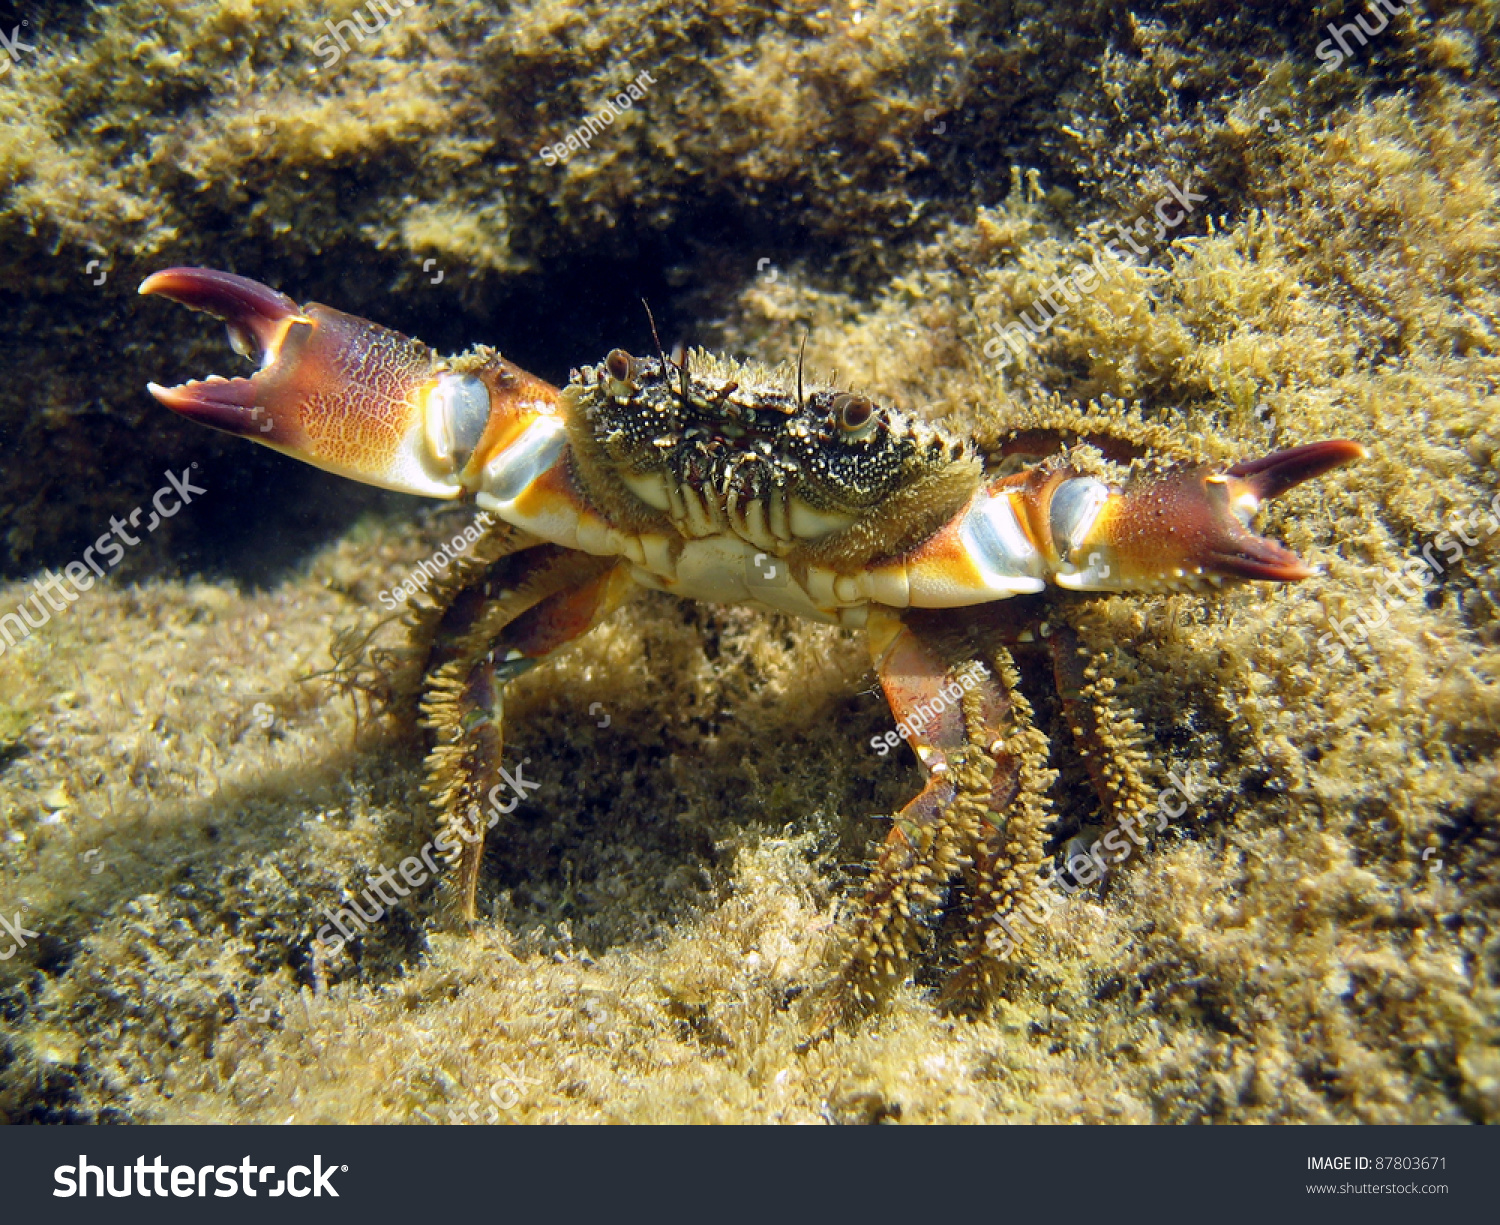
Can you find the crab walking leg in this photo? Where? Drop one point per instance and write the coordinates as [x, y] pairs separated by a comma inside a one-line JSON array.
[[952, 716], [1012, 902], [508, 619], [1108, 738], [1009, 899]]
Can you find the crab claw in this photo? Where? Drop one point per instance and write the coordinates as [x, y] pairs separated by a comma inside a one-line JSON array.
[[347, 395], [1186, 529], [1189, 526]]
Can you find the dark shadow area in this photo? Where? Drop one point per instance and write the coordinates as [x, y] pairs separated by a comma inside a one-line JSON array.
[[101, 445]]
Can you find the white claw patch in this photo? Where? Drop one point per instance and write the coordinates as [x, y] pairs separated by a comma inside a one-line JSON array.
[[455, 412], [1075, 509], [598, 538], [1086, 564], [509, 472], [821, 585], [998, 547], [889, 585]]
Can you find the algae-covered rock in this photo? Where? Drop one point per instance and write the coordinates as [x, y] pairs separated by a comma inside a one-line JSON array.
[[184, 801]]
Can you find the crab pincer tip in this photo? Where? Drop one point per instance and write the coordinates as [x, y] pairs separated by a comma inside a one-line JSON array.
[[1273, 475], [212, 289], [222, 404], [257, 317], [1244, 488], [249, 308]]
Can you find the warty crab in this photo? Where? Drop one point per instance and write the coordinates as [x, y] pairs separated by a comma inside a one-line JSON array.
[[719, 481]]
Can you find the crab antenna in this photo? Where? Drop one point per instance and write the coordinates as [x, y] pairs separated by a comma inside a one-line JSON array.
[[660, 352], [801, 349]]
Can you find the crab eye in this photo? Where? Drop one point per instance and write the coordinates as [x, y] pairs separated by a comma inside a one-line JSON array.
[[856, 415], [618, 364], [620, 367]]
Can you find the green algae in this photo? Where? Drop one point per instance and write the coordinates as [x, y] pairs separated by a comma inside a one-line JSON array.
[[13, 724], [1314, 941]]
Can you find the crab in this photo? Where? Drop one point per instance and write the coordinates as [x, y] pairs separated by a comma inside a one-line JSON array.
[[715, 480]]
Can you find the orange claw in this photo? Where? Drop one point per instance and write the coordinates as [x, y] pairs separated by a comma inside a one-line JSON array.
[[1196, 522], [345, 394], [1185, 529], [333, 389]]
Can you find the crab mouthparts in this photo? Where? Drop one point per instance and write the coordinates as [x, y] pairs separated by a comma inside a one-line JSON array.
[[258, 320]]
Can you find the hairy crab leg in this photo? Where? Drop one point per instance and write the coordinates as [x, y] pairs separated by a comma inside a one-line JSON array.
[[1108, 738], [524, 615], [970, 729], [1007, 891], [922, 850]]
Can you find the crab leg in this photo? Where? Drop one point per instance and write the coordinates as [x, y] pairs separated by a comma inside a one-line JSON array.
[[1109, 740], [970, 729], [502, 621]]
